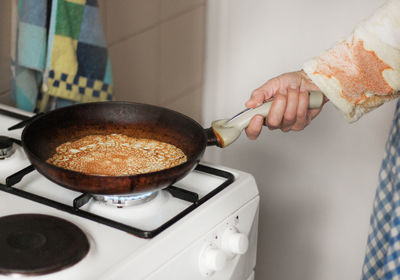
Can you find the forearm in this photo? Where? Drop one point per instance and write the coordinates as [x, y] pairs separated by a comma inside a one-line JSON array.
[[362, 72]]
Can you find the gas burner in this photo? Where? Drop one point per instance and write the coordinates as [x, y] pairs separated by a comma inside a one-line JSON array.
[[6, 147], [34, 244], [126, 200]]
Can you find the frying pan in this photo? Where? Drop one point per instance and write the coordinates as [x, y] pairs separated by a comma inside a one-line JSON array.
[[45, 132]]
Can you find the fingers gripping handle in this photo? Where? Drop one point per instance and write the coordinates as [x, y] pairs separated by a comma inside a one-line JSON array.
[[227, 131], [242, 120]]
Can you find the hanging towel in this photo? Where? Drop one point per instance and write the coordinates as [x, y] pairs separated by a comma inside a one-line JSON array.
[[60, 54], [28, 50]]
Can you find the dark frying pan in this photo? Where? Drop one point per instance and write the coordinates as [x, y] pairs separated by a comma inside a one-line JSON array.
[[44, 133], [41, 137]]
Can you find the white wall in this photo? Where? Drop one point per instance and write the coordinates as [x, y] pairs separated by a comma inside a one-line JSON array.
[[316, 186]]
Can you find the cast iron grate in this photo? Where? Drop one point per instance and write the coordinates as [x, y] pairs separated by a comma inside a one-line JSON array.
[[84, 198], [81, 200]]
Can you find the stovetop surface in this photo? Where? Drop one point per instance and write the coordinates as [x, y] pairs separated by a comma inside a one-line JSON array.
[[147, 216], [110, 247]]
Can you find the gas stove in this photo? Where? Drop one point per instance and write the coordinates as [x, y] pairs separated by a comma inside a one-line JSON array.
[[202, 227]]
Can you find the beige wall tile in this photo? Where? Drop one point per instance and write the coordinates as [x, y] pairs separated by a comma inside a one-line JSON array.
[[188, 104], [5, 98], [103, 13], [5, 79], [5, 28], [181, 60], [135, 67], [128, 17], [170, 8]]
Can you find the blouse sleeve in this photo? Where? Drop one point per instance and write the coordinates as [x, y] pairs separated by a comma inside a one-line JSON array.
[[362, 72]]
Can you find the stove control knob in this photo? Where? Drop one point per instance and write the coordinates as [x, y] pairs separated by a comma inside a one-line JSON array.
[[234, 242], [211, 260]]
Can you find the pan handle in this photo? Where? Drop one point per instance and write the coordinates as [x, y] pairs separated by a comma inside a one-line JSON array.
[[227, 131], [212, 139]]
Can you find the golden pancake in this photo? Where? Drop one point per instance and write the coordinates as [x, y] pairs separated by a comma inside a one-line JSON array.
[[116, 155]]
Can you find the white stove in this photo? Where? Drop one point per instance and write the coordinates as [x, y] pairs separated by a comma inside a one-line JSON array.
[[202, 227]]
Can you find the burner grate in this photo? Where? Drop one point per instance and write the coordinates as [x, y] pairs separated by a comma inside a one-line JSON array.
[[78, 202], [14, 115]]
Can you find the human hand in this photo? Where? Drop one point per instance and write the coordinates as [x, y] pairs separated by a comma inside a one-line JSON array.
[[289, 110]]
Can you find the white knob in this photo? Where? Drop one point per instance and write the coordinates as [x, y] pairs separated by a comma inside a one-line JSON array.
[[212, 260], [234, 242]]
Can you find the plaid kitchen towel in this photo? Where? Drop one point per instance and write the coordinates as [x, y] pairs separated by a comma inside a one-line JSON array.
[[60, 54], [28, 50], [382, 259]]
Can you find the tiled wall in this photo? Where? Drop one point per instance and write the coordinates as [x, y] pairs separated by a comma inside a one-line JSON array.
[[5, 22], [156, 49]]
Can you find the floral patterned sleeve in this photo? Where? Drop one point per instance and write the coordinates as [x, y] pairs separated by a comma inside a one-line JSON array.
[[362, 72]]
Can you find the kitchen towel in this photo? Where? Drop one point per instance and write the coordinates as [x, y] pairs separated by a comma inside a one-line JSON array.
[[59, 54]]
